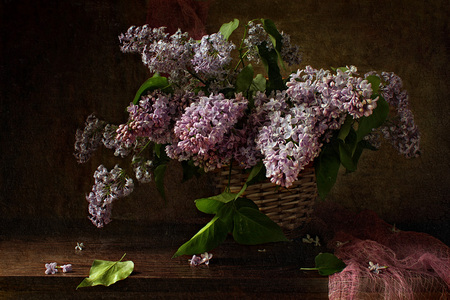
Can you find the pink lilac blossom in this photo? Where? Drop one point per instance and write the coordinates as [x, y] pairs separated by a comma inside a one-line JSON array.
[[334, 94], [108, 187], [111, 142], [153, 117]]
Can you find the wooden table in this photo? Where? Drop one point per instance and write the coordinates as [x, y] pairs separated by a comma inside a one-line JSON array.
[[268, 271]]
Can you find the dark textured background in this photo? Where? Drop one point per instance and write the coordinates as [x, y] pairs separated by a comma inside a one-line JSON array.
[[60, 61]]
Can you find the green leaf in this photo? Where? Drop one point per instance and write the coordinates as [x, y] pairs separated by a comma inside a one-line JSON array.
[[104, 272], [343, 69], [256, 174], [345, 156], [244, 79], [275, 36], [190, 170], [159, 179], [375, 120], [258, 83], [245, 202], [252, 227], [269, 59], [225, 214], [328, 264], [157, 150], [153, 83], [327, 168], [211, 205], [208, 205], [374, 81], [345, 128], [227, 29], [209, 237]]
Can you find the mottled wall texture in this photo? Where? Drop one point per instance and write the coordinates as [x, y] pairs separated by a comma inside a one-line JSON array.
[[60, 61]]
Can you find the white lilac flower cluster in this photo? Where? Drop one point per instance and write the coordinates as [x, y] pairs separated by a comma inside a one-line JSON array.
[[108, 187]]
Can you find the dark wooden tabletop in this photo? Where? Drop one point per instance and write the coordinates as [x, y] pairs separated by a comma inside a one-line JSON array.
[[270, 271]]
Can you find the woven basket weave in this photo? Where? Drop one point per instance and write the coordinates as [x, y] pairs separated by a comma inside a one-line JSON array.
[[290, 207]]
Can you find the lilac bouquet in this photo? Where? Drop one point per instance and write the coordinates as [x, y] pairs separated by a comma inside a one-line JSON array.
[[205, 107]]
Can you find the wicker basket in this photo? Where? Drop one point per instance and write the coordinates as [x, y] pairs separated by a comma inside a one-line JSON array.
[[290, 208]]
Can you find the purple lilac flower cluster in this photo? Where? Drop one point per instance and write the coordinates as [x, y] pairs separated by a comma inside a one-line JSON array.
[[257, 36], [88, 139], [319, 102], [204, 132], [401, 131], [211, 55], [95, 133], [108, 187], [154, 117], [284, 141], [178, 55], [143, 169]]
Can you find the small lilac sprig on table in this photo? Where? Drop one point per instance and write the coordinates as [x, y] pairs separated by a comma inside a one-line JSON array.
[[205, 109], [202, 259], [52, 268]]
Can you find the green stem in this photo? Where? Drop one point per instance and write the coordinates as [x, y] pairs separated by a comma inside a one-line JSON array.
[[145, 147], [229, 176], [196, 77], [122, 257], [241, 56], [309, 269]]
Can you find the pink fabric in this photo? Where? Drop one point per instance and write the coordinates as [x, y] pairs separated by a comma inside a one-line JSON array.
[[188, 15], [417, 262]]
